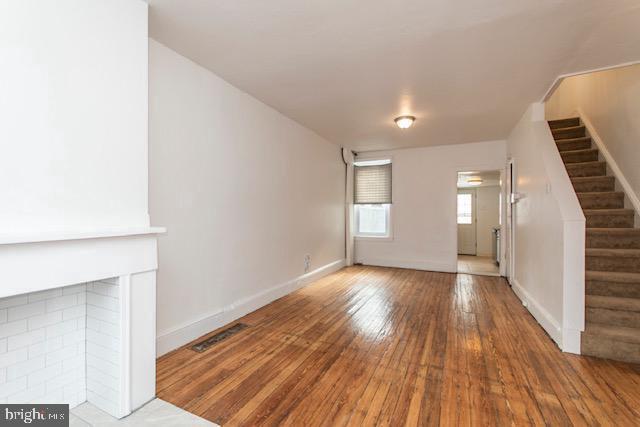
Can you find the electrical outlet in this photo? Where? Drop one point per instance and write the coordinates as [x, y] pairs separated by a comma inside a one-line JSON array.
[[307, 263]]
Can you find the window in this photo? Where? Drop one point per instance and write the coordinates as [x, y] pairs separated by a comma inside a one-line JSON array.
[[372, 198], [372, 220], [465, 208]]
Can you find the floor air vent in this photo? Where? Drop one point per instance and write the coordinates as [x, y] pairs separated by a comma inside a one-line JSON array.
[[214, 339]]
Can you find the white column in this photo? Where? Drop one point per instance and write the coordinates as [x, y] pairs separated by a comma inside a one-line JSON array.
[[142, 338]]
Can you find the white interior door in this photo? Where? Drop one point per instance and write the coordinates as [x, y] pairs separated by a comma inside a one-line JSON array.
[[467, 241]]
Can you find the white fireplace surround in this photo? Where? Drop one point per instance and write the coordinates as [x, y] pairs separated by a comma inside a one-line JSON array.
[[116, 270]]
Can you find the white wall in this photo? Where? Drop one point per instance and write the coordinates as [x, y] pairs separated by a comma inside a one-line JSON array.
[[549, 232], [245, 193], [424, 204], [611, 101], [73, 107], [487, 218]]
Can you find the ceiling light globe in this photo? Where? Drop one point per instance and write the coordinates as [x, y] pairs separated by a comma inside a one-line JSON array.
[[404, 122]]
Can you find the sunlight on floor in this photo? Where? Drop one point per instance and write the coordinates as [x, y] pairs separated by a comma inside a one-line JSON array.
[[484, 266]]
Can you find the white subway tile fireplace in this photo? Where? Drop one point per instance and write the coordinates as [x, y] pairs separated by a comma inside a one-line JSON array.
[[78, 257], [103, 344], [79, 323], [43, 339]]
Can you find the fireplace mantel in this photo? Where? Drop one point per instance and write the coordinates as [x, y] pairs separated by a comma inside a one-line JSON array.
[[32, 262], [62, 235]]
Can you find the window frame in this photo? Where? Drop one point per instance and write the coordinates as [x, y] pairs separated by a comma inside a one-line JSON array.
[[472, 212], [374, 237]]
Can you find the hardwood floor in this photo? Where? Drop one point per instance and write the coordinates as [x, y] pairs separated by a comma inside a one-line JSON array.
[[383, 346], [482, 265]]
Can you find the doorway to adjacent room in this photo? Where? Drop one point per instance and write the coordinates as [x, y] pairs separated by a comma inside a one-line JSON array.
[[478, 222]]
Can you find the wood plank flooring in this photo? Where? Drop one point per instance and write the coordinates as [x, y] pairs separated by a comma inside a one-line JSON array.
[[384, 346], [483, 265]]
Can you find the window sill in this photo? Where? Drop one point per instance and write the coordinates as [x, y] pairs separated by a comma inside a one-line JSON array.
[[374, 238]]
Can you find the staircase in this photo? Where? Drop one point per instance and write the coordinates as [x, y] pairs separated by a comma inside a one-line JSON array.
[[612, 255]]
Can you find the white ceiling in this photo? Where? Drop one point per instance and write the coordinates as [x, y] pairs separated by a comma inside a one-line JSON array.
[[466, 69]]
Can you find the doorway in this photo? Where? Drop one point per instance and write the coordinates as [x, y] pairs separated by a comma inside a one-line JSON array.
[[479, 214]]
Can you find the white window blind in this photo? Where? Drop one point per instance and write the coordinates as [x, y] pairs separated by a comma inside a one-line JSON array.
[[372, 184]]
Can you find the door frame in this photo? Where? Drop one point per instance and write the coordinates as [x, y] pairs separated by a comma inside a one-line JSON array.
[[510, 217], [504, 199]]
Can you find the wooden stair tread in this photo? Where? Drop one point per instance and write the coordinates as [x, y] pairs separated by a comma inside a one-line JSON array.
[[617, 333], [591, 169], [609, 348], [570, 121], [597, 230], [568, 128], [579, 156], [618, 253], [613, 303], [579, 139], [615, 211], [581, 151], [570, 132], [600, 194], [593, 183], [613, 237], [573, 144], [583, 164], [613, 276], [592, 178], [601, 200]]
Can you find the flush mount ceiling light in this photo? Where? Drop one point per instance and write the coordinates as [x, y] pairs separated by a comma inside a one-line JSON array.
[[474, 181], [404, 122]]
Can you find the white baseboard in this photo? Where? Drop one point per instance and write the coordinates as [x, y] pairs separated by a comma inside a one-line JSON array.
[[414, 265], [171, 339], [611, 163], [544, 318]]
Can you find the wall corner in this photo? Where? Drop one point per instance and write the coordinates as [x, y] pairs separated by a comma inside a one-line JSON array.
[[537, 112]]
